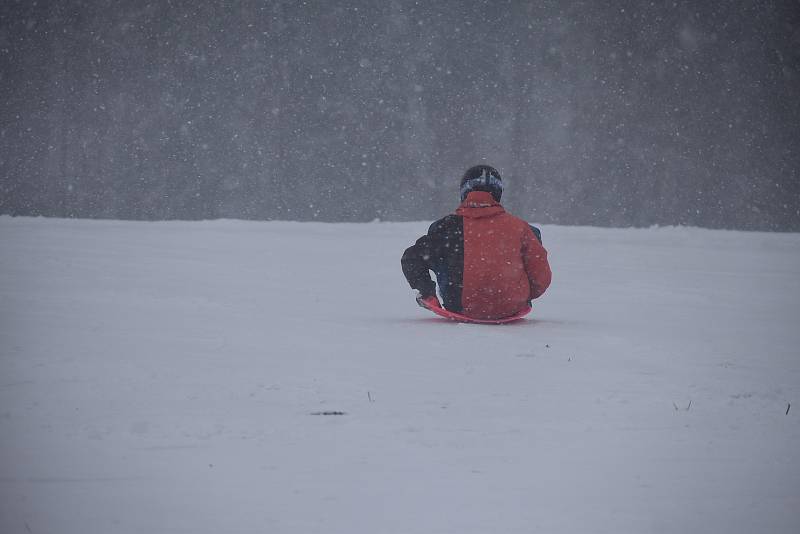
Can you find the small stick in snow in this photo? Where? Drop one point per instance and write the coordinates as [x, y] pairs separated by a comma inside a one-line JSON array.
[[369, 396], [788, 406], [690, 405], [676, 406]]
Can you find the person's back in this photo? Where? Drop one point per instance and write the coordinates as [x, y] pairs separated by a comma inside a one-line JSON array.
[[488, 263]]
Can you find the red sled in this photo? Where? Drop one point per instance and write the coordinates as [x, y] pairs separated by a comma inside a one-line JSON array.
[[453, 316]]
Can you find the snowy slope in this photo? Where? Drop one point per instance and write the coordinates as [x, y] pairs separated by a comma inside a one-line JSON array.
[[160, 377]]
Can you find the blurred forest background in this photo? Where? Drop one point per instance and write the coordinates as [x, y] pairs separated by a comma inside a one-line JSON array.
[[621, 113]]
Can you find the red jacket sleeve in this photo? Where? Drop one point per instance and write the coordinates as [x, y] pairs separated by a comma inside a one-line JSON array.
[[534, 257]]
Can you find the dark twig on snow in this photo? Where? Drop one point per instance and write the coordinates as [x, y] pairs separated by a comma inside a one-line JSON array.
[[685, 409], [369, 396], [788, 406]]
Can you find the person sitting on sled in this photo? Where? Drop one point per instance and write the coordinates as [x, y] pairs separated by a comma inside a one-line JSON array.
[[488, 263]]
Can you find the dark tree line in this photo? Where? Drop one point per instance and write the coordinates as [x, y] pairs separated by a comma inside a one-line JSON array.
[[621, 113]]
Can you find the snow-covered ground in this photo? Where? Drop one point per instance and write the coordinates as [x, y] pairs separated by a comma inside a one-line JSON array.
[[162, 377]]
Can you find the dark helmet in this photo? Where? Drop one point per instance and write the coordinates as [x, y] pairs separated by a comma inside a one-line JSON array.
[[482, 178]]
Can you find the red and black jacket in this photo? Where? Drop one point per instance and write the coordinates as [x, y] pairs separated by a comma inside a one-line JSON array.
[[488, 263]]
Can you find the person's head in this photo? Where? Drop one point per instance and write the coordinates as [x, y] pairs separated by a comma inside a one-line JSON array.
[[482, 178]]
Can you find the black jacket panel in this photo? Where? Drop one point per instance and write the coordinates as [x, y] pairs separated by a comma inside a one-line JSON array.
[[537, 233], [441, 250]]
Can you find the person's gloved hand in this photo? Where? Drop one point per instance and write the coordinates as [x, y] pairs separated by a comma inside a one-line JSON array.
[[428, 302]]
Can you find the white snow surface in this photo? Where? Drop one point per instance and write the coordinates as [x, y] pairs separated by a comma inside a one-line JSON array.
[[162, 377]]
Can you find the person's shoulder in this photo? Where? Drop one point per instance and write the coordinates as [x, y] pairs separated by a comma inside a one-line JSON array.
[[516, 221], [445, 223], [525, 226]]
